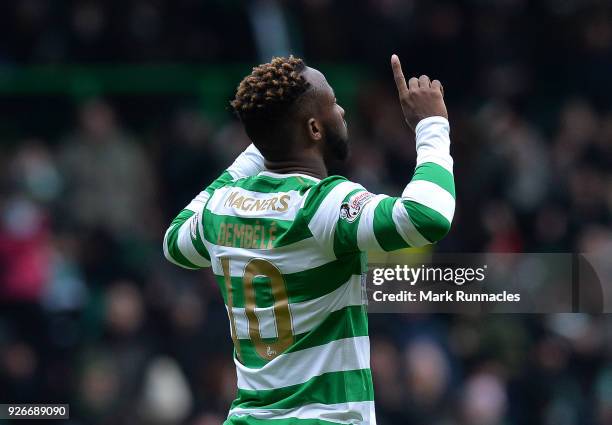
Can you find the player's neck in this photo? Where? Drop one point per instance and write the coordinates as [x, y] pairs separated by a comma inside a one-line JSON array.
[[311, 166]]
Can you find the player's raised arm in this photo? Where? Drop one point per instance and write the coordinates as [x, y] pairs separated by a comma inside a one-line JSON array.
[[348, 218], [183, 244]]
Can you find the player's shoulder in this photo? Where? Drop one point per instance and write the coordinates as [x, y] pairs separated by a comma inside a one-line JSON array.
[[267, 181], [229, 181], [332, 184], [331, 190]]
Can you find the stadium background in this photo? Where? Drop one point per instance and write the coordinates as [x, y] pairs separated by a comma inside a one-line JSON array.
[[113, 115]]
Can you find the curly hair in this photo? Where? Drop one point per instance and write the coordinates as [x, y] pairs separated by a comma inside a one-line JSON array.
[[265, 95]]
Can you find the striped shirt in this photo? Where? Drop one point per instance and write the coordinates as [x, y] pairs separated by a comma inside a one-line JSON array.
[[288, 253]]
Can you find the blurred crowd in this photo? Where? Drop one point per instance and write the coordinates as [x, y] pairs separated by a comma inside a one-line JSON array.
[[92, 315]]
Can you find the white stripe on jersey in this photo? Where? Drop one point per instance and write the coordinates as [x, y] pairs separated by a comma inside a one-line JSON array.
[[300, 366], [323, 223], [167, 252], [352, 412], [366, 239], [249, 163], [433, 142], [197, 203], [431, 195], [185, 244], [404, 225], [220, 198]]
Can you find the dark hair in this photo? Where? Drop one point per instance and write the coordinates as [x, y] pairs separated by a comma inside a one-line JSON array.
[[263, 98]]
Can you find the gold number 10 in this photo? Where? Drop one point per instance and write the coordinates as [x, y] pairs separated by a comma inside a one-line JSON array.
[[259, 267]]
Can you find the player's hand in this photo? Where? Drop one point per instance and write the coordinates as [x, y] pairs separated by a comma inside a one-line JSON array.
[[421, 98]]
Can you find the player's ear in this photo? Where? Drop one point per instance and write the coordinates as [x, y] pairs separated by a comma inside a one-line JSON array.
[[314, 129]]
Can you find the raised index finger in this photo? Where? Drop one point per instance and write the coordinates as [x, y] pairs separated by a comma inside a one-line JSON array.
[[398, 75]]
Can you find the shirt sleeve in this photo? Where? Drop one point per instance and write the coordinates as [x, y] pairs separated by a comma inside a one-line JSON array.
[[183, 241], [344, 217]]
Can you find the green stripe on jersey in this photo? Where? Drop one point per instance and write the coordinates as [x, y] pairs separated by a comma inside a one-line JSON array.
[[171, 241], [328, 388], [198, 244], [348, 322], [384, 227], [251, 232], [430, 223], [269, 184], [224, 179], [318, 194], [243, 232], [299, 231], [437, 174]]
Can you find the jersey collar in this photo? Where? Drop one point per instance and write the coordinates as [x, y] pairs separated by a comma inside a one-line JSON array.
[[283, 175]]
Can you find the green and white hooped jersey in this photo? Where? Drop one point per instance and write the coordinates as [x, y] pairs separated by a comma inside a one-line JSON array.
[[288, 253]]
